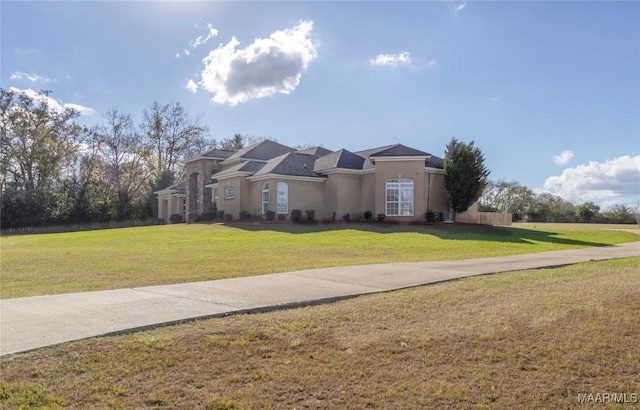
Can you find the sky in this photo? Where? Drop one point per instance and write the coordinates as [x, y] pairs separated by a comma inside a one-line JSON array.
[[549, 91]]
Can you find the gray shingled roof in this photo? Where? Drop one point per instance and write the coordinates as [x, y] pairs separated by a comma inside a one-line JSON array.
[[316, 151], [179, 188], [435, 162], [339, 159], [261, 151], [219, 153], [250, 167], [399, 150], [292, 163]]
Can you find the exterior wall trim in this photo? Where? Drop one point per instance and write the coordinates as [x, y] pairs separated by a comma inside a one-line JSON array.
[[286, 177]]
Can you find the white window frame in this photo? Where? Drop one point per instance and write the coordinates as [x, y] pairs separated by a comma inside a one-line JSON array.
[[399, 195], [282, 199], [229, 192], [265, 198]]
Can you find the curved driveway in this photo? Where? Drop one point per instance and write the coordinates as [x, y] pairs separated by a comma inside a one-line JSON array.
[[34, 322]]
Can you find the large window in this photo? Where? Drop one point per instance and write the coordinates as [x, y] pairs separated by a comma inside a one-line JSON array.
[[265, 197], [399, 197], [282, 206], [229, 192]]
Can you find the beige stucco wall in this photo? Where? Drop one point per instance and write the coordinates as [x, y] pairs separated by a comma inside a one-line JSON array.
[[342, 195], [367, 193], [169, 204], [405, 169], [438, 198], [241, 196], [305, 195]]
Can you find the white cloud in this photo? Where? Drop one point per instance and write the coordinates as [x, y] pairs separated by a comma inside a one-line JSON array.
[[53, 103], [460, 6], [210, 33], [80, 108], [192, 86], [393, 60], [265, 67], [563, 158], [616, 178], [200, 40], [34, 78]]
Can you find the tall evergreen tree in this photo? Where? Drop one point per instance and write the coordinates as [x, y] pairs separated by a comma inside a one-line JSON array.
[[465, 174]]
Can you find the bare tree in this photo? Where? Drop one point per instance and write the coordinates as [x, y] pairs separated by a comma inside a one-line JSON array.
[[123, 151], [170, 134]]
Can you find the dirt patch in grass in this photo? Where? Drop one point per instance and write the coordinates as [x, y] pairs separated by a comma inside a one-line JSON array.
[[530, 339]]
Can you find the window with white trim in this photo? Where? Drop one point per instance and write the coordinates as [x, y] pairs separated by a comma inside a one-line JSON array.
[[399, 197], [265, 198], [229, 192], [282, 200]]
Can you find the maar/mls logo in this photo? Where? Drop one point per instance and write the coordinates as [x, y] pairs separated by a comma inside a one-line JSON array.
[[608, 398]]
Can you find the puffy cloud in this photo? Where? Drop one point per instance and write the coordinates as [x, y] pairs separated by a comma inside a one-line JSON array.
[[52, 102], [265, 67], [617, 178], [34, 78], [192, 86], [563, 158], [393, 60]]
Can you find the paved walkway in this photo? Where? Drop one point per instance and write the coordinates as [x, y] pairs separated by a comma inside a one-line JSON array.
[[34, 322]]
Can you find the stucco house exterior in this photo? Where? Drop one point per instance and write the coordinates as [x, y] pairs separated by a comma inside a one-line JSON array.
[[395, 180]]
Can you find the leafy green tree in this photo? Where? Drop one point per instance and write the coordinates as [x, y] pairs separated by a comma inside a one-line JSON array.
[[620, 214], [587, 212], [511, 197], [37, 140], [465, 176], [39, 143], [551, 208]]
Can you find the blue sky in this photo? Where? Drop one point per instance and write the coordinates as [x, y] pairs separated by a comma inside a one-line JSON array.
[[550, 91]]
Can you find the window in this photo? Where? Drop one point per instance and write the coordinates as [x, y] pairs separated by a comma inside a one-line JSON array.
[[229, 192], [399, 197], [265, 197], [215, 197], [283, 198]]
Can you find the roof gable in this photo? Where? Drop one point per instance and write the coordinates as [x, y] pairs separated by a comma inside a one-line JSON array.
[[316, 151], [261, 151], [293, 164], [340, 159], [399, 150]]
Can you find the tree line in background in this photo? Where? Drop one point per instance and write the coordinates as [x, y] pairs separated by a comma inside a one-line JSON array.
[[527, 206], [55, 171]]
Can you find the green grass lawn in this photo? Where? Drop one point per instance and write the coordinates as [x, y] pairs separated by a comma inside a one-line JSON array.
[[129, 257], [528, 339]]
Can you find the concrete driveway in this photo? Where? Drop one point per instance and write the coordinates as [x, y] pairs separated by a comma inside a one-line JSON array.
[[35, 322]]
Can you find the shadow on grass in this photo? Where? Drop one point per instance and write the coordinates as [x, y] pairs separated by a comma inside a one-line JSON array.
[[442, 231]]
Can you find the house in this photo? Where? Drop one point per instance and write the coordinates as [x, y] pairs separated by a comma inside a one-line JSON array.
[[395, 180]]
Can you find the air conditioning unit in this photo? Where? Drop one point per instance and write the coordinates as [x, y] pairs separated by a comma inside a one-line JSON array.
[[444, 217]]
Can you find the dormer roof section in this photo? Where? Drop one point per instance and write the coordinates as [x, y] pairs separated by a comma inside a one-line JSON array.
[[316, 151], [261, 151], [291, 164], [341, 159], [219, 154]]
